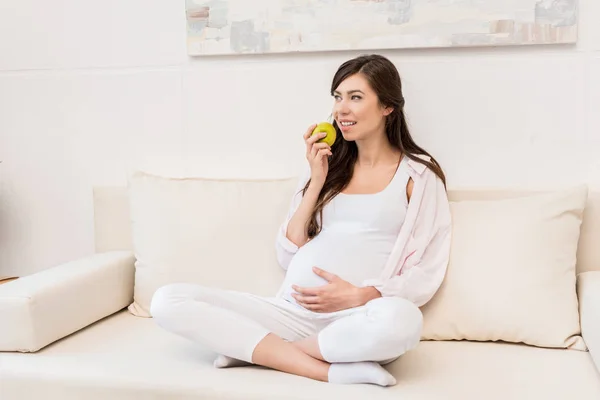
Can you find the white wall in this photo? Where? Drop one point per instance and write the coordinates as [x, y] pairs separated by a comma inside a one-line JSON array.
[[89, 91]]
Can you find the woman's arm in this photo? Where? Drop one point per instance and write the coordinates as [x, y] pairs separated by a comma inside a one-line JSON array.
[[293, 232], [297, 227], [290, 237]]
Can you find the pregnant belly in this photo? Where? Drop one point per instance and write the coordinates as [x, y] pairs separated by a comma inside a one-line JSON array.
[[352, 257]]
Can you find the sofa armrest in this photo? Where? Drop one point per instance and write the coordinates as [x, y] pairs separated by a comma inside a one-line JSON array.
[[588, 287], [41, 308]]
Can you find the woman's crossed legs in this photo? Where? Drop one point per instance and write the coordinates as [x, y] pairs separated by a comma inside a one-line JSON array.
[[346, 348]]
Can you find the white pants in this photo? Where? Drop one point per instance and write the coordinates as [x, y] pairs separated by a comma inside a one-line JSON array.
[[233, 323]]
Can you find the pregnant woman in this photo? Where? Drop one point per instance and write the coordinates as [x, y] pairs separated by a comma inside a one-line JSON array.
[[366, 243]]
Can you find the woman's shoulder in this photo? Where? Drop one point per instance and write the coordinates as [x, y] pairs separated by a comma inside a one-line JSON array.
[[417, 166], [421, 172]]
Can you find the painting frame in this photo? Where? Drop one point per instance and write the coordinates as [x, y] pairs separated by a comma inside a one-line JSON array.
[[238, 27]]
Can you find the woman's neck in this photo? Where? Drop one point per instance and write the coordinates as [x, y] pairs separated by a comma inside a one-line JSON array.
[[375, 152]]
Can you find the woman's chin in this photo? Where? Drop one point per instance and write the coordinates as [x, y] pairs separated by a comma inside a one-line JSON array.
[[349, 137]]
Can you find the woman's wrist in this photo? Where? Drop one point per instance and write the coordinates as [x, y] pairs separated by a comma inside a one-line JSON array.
[[366, 294], [315, 187]]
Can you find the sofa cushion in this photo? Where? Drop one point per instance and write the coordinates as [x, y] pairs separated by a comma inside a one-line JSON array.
[[38, 309], [207, 231], [512, 273], [126, 358]]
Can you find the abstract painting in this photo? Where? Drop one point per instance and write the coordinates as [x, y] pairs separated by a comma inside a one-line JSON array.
[[218, 27]]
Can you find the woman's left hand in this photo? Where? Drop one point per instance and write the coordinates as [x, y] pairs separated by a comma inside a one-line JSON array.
[[336, 295]]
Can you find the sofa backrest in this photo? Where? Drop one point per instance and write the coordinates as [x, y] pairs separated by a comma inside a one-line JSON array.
[[113, 232]]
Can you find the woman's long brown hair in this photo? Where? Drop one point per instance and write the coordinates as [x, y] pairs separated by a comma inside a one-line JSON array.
[[384, 78]]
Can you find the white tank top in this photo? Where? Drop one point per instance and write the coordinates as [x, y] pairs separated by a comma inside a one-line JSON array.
[[357, 237]]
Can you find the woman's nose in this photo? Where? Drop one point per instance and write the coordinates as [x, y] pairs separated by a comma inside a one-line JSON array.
[[341, 107]]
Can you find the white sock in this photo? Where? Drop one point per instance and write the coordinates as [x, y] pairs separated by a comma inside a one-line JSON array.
[[360, 372], [227, 362]]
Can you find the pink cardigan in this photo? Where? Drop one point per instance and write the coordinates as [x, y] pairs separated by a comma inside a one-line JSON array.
[[418, 262]]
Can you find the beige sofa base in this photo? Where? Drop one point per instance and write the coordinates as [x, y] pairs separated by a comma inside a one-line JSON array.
[[123, 357]]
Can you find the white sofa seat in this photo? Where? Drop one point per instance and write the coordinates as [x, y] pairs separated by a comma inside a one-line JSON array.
[[124, 357]]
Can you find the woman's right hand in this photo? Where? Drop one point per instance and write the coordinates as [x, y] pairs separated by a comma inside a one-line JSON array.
[[317, 155]]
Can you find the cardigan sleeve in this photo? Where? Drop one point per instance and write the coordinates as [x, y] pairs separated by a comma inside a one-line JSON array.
[[285, 248], [423, 265]]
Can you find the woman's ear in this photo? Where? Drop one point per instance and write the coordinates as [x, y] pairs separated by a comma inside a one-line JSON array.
[[387, 111]]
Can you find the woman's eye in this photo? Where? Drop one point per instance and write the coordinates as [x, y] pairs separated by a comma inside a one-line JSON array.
[[354, 97]]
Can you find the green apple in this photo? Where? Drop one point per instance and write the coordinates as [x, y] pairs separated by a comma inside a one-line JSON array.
[[327, 128]]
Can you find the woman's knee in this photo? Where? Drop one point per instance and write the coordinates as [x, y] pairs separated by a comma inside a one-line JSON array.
[[398, 323], [164, 298]]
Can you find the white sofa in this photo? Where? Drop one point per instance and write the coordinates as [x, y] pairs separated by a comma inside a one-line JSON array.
[[69, 332]]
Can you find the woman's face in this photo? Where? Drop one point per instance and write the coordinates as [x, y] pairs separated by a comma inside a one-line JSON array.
[[357, 110]]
